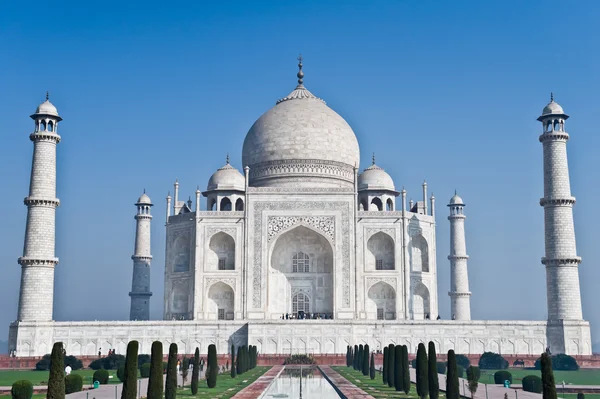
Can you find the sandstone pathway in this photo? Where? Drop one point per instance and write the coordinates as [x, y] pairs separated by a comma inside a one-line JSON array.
[[348, 389], [255, 389]]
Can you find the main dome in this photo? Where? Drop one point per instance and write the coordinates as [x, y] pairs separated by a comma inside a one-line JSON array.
[[301, 142]]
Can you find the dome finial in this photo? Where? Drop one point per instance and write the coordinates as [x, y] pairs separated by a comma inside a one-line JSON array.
[[47, 95], [300, 73], [227, 159], [551, 97], [373, 159], [144, 190]]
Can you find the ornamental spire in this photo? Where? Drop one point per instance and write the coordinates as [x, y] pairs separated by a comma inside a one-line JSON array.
[[373, 159], [227, 159], [47, 95], [300, 73], [551, 97]]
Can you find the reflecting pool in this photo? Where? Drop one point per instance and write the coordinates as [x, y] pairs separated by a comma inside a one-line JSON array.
[[297, 382]]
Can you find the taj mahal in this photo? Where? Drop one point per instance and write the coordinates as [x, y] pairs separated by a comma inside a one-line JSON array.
[[301, 251]]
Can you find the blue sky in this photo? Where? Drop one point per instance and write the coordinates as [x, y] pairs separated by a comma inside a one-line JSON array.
[[443, 91]]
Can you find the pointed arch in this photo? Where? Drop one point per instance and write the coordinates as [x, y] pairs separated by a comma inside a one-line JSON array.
[[221, 254], [380, 252], [225, 204], [389, 205], [239, 205], [376, 204], [221, 302], [419, 254], [421, 306], [381, 301]]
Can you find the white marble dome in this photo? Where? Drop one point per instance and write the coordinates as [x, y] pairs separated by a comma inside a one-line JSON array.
[[552, 108], [300, 140], [46, 108], [375, 178], [226, 178], [144, 199], [456, 200]]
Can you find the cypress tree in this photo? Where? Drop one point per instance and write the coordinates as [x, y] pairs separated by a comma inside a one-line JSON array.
[[384, 369], [391, 365], [548, 385], [355, 357], [422, 367], [372, 368], [213, 367], [233, 360], [452, 388], [171, 381], [405, 370], [56, 380], [359, 363], [398, 374], [365, 359], [254, 356], [434, 382], [131, 371], [347, 354], [156, 381], [195, 371]]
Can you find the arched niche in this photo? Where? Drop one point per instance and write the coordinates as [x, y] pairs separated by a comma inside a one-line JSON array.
[[380, 252], [180, 299], [312, 255], [220, 305], [212, 204], [381, 301], [225, 204], [181, 254], [389, 205], [421, 307], [419, 254], [376, 204], [239, 205], [221, 253]]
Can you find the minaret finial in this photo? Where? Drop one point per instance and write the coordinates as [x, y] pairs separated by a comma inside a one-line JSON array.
[[144, 190], [551, 97], [47, 95], [455, 192], [300, 73], [373, 159], [227, 159]]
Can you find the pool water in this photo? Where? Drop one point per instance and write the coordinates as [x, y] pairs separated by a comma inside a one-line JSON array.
[[297, 382]]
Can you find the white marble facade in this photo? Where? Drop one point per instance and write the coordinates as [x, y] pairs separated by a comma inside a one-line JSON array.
[[302, 229]]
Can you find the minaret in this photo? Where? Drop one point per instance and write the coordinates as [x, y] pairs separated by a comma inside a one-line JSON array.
[[561, 260], [140, 287], [38, 261], [460, 296]]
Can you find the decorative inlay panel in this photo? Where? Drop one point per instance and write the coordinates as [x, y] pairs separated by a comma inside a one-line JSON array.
[[344, 234], [277, 224], [371, 281], [389, 231], [211, 280], [210, 231]]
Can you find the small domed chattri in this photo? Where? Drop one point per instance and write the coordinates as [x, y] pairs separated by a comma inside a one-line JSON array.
[[553, 108]]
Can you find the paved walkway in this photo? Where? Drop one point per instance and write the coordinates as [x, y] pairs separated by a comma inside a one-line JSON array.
[[348, 389], [255, 389]]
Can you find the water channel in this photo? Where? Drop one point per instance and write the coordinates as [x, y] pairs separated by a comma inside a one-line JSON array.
[[300, 382]]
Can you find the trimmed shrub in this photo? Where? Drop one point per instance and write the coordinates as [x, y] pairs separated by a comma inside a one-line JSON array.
[[44, 363], [145, 370], [211, 379], [56, 380], [422, 375], [580, 395], [473, 375], [463, 361], [372, 367], [21, 389], [196, 370], [434, 382], [73, 383], [548, 385], [351, 359], [121, 373], [355, 358], [143, 359], [391, 365], [452, 387], [171, 381], [460, 371], [492, 361], [560, 362], [398, 375], [101, 376], [441, 367], [532, 383], [359, 364], [131, 371], [233, 367], [502, 375], [405, 370], [365, 360], [111, 362], [157, 367], [384, 368]]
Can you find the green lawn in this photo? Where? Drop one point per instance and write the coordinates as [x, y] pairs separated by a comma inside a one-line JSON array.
[[226, 386], [574, 395], [7, 377], [580, 377], [374, 387]]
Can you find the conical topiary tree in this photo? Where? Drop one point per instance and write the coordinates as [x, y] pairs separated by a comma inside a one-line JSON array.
[[548, 385], [391, 364], [359, 363], [434, 382], [233, 365], [405, 370], [156, 380], [347, 354], [422, 368], [56, 380], [355, 358], [365, 360], [238, 360], [398, 380], [171, 381], [452, 387], [372, 367], [129, 390], [384, 368], [213, 367], [195, 372]]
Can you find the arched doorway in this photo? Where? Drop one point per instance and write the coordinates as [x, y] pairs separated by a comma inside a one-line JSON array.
[[381, 302], [419, 254], [301, 273], [221, 255], [220, 304], [380, 254], [420, 302]]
